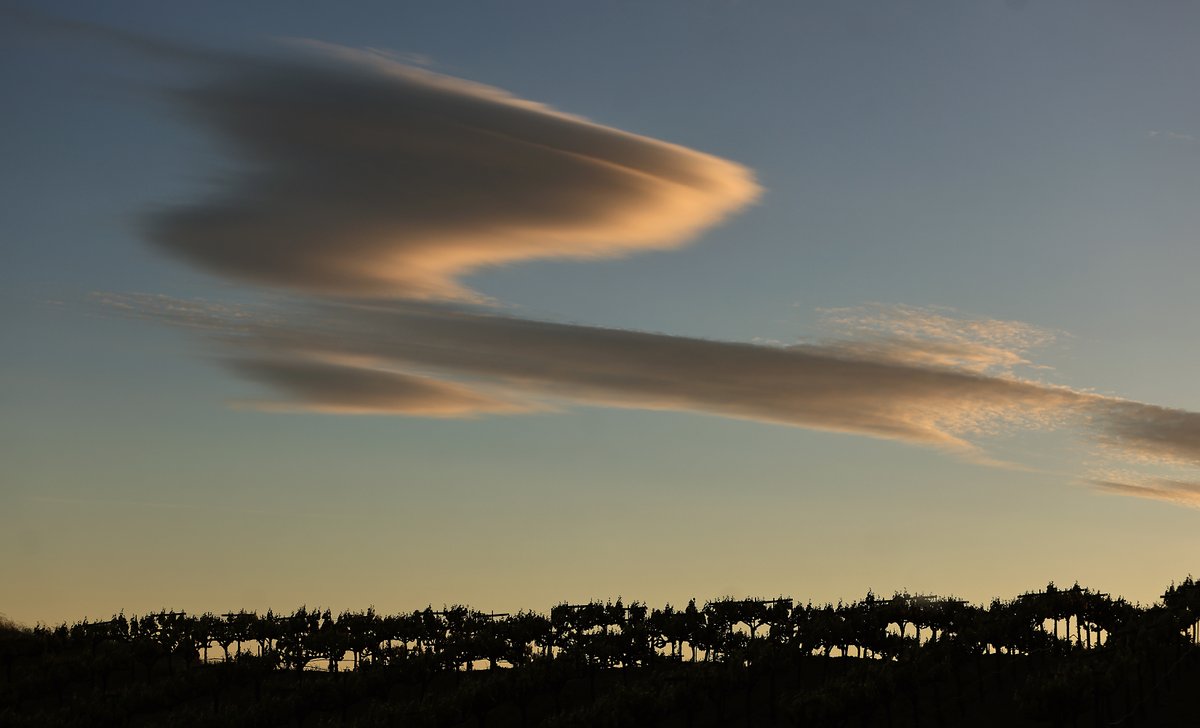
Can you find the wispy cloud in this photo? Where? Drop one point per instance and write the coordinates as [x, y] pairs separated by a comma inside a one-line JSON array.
[[1179, 492], [387, 357], [1172, 136], [360, 175], [935, 337], [1150, 432], [320, 386], [370, 188]]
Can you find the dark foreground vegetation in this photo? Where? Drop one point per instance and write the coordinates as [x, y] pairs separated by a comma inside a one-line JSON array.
[[1061, 657]]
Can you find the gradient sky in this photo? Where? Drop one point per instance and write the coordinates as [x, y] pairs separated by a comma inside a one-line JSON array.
[[702, 381]]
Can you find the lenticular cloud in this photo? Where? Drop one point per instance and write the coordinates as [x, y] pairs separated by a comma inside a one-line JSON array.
[[362, 176], [359, 181]]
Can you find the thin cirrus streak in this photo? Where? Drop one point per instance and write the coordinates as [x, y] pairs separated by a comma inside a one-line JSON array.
[[388, 358], [317, 385], [1180, 492], [362, 176]]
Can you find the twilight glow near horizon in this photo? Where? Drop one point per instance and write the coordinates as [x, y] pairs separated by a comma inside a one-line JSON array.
[[509, 304]]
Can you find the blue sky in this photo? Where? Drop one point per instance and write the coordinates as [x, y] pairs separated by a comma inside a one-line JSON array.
[[1001, 162]]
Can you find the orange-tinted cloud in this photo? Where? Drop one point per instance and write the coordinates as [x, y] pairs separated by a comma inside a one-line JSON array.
[[320, 386], [419, 359], [357, 175], [360, 177], [811, 386], [1180, 492], [937, 337], [1161, 434], [540, 362]]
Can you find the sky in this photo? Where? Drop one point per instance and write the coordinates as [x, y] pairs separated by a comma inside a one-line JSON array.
[[507, 304]]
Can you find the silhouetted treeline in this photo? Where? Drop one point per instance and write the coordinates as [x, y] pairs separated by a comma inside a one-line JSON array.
[[1056, 657]]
